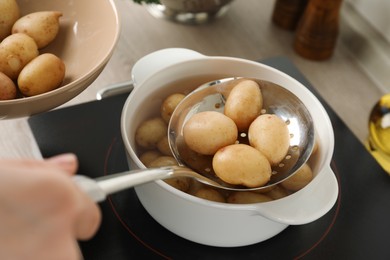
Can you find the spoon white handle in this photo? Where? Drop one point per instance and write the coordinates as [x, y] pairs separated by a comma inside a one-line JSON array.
[[98, 189]]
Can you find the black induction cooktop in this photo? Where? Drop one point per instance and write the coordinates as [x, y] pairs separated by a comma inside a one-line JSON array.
[[357, 227]]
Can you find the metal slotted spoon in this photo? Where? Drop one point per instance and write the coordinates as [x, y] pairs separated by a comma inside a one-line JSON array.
[[276, 100], [211, 96]]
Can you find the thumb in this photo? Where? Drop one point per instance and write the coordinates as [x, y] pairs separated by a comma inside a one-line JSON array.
[[67, 162]]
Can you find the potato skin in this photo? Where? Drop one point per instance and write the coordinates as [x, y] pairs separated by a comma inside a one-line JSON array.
[[241, 164], [163, 146], [208, 131], [210, 194], [15, 52], [299, 180], [247, 197], [244, 104], [10, 13], [42, 26], [169, 105], [149, 156], [41, 75], [270, 135], [150, 132], [180, 183], [163, 161], [8, 89], [278, 192]]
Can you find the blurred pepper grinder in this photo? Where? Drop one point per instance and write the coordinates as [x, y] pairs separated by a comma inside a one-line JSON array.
[[287, 13], [318, 29]]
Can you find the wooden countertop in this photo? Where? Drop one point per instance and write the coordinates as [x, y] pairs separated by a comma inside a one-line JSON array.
[[246, 31]]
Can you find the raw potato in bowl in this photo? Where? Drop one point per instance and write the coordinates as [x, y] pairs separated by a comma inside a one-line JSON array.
[[42, 26], [84, 53], [16, 51], [30, 79], [9, 11], [20, 49], [7, 87]]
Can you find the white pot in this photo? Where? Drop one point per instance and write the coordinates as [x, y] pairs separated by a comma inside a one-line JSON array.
[[213, 223]]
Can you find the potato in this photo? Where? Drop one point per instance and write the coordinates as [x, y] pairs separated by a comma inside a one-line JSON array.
[[169, 105], [42, 26], [148, 157], [150, 132], [180, 183], [299, 180], [42, 74], [208, 131], [270, 135], [241, 164], [247, 197], [278, 192], [163, 161], [244, 104], [163, 146], [316, 145], [9, 11], [210, 194], [15, 52], [8, 88]]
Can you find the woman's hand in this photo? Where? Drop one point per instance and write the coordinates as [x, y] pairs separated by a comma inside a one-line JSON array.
[[42, 212]]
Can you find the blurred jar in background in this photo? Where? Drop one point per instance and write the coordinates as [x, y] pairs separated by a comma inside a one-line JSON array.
[[318, 29], [287, 13], [189, 11]]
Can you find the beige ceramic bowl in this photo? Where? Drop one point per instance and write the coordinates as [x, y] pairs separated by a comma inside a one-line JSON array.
[[89, 30]]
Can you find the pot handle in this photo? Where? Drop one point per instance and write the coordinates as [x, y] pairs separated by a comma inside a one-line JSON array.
[[155, 61], [146, 66], [306, 205]]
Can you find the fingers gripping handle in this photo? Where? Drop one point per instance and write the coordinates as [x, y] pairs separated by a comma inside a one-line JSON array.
[[90, 187]]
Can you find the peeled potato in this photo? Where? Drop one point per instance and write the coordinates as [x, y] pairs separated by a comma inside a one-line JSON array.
[[208, 131], [270, 135], [8, 88], [244, 104], [241, 164], [15, 52], [42, 26], [9, 11], [42, 74]]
